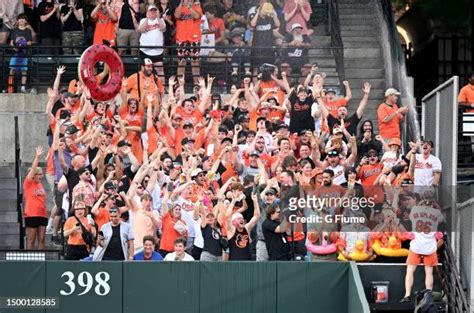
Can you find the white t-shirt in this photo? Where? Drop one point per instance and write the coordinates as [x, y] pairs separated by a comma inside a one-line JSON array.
[[424, 222], [172, 257], [153, 36], [339, 177], [187, 211], [389, 158], [425, 169], [198, 240]]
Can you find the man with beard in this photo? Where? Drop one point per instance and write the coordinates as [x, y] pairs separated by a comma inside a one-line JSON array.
[[144, 82], [238, 232], [427, 166], [329, 192], [367, 140], [85, 189], [350, 122]]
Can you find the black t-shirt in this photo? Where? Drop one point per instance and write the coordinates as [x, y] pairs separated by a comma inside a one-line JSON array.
[[277, 245], [263, 33], [239, 246], [92, 152], [350, 123], [211, 238], [300, 114], [296, 56], [238, 113], [126, 21], [51, 28], [72, 24], [114, 251], [20, 38]]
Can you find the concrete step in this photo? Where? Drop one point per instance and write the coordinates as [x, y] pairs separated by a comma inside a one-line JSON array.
[[359, 27], [357, 83], [10, 241], [325, 61], [7, 183], [361, 44], [9, 229], [352, 32], [7, 195], [374, 93], [320, 52], [366, 38], [8, 205], [365, 74], [362, 53], [8, 217], [321, 41], [7, 171], [358, 63], [357, 21], [366, 10], [361, 14]]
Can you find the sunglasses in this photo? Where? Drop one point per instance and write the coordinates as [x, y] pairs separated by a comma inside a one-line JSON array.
[[200, 175]]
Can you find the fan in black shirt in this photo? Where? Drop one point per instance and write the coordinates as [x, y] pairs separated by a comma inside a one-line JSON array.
[[274, 233], [299, 107]]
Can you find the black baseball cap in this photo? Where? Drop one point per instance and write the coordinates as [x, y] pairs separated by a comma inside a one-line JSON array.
[[123, 143]]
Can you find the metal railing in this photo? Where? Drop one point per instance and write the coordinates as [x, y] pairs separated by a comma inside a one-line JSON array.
[[42, 66], [19, 189], [453, 287], [334, 28]]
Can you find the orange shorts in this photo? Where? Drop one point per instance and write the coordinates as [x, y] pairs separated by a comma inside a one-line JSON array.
[[416, 259]]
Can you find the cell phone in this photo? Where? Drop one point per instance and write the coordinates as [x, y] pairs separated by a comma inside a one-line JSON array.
[[170, 187], [101, 233]]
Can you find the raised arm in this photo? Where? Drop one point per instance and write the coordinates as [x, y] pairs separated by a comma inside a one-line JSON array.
[[347, 88], [256, 212], [34, 165], [364, 100]]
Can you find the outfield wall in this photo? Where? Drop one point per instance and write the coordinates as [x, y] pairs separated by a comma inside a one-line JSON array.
[[224, 287]]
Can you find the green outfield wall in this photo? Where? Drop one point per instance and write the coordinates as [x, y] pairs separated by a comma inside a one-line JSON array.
[[185, 287]]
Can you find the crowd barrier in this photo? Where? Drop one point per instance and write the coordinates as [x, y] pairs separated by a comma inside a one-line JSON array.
[[186, 287]]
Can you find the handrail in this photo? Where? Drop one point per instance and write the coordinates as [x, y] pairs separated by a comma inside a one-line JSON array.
[[336, 40], [41, 66], [19, 191], [453, 79], [455, 292]]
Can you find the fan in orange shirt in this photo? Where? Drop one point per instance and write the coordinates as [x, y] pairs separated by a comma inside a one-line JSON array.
[[332, 104], [144, 82], [390, 116], [105, 19], [132, 119], [466, 95], [188, 35]]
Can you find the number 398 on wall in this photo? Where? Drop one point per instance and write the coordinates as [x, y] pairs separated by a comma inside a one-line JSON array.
[[85, 282]]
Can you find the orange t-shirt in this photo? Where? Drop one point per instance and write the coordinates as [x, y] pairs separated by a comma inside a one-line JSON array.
[[104, 29], [102, 218], [195, 117], [332, 106], [76, 237], [467, 95], [368, 175], [147, 85], [35, 199], [132, 136], [273, 87], [169, 233], [188, 28], [390, 129]]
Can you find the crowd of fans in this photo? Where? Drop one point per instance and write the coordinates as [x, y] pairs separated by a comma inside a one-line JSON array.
[[224, 29], [181, 177], [158, 174]]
